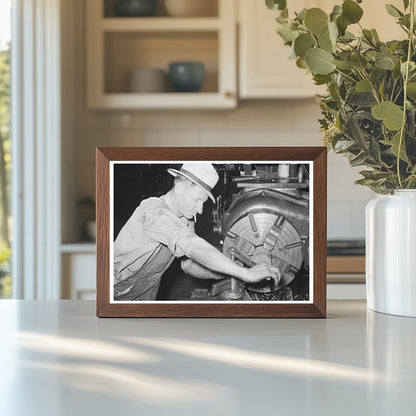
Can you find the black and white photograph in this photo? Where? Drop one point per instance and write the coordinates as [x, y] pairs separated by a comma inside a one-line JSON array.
[[207, 231]]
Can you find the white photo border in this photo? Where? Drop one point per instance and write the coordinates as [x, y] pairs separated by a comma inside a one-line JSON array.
[[310, 163]]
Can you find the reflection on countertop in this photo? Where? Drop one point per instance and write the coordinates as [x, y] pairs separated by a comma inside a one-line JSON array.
[[354, 362]]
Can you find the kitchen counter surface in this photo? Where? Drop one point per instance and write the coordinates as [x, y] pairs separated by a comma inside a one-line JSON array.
[[57, 358]]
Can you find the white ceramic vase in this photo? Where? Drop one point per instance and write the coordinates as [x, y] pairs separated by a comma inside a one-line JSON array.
[[391, 253]]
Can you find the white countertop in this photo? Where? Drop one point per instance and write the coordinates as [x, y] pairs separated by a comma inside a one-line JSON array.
[[57, 358]]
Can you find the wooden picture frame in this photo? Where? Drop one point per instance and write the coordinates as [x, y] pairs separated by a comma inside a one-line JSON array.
[[278, 169]]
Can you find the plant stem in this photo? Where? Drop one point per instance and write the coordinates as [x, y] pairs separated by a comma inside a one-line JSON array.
[[397, 95], [392, 91], [373, 88], [405, 29], [346, 75], [405, 81], [369, 41]]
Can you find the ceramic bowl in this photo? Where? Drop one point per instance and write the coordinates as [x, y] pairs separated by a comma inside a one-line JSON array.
[[191, 8], [147, 80], [186, 76], [135, 8]]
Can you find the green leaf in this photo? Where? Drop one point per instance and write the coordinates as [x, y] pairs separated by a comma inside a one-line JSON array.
[[363, 86], [385, 50], [410, 182], [362, 99], [281, 19], [336, 12], [351, 11], [382, 89], [319, 61], [334, 92], [301, 63], [343, 145], [325, 42], [412, 67], [358, 61], [374, 174], [270, 4], [287, 33], [301, 15], [411, 122], [375, 35], [394, 143], [365, 182], [333, 32], [393, 11], [358, 160], [353, 130], [303, 43], [316, 20], [347, 37], [405, 21], [384, 62], [368, 36], [382, 188], [321, 79], [391, 114], [345, 65], [342, 25], [406, 4], [276, 4], [374, 150], [411, 90]]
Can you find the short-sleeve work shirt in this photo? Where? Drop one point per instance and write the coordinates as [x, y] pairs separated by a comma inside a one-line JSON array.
[[145, 248]]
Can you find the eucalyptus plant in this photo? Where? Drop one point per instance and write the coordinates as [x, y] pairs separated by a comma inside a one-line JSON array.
[[369, 112]]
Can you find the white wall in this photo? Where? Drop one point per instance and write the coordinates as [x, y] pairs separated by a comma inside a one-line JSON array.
[[253, 123]]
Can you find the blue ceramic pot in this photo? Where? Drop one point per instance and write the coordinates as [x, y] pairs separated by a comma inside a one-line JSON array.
[[186, 76], [135, 8]]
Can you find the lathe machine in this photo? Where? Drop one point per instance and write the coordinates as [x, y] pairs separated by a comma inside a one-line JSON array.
[[262, 216]]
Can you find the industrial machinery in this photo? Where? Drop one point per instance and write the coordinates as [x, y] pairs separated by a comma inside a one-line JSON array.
[[266, 221]]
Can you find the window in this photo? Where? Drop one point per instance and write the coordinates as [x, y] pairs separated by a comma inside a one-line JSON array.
[[5, 147]]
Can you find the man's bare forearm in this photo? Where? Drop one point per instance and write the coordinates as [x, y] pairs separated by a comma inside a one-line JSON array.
[[209, 257], [195, 269]]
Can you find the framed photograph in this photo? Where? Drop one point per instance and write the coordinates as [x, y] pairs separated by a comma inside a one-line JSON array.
[[211, 232]]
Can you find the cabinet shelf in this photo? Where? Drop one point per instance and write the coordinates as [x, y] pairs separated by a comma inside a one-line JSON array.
[[87, 247], [160, 24], [117, 46], [198, 100]]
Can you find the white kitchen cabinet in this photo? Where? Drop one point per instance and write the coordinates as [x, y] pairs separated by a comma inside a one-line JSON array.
[[78, 262], [265, 70], [117, 45], [79, 276]]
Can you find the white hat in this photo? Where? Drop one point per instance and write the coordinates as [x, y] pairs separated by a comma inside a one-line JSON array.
[[202, 174]]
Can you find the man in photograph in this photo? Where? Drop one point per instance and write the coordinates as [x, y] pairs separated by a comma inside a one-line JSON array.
[[161, 229]]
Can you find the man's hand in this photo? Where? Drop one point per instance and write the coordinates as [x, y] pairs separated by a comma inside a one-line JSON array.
[[205, 254], [260, 272]]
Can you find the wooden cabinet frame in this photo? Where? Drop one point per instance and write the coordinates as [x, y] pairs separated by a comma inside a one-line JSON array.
[[224, 26]]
